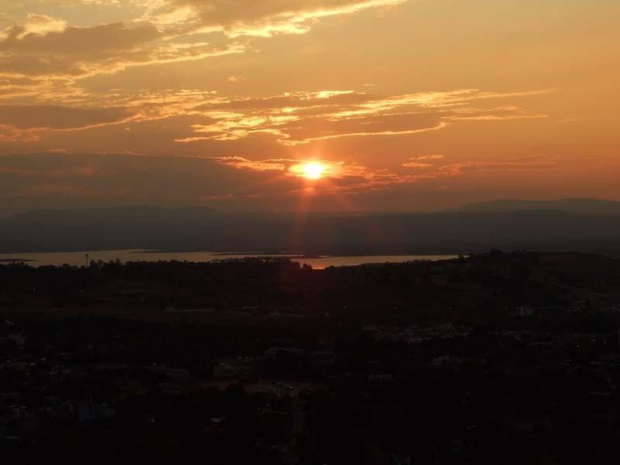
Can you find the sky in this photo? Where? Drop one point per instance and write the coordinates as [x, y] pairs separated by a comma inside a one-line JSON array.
[[406, 105]]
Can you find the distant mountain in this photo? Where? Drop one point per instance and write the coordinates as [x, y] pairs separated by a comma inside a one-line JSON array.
[[577, 206], [114, 214], [190, 229]]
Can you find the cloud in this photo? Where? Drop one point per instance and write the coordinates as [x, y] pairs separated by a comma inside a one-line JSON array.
[[80, 52], [336, 177], [460, 169], [73, 52], [62, 180], [85, 170], [291, 166], [262, 18], [10, 134], [496, 114], [301, 118], [53, 54], [290, 119], [80, 42], [422, 162], [40, 25], [46, 55], [29, 117], [258, 165], [427, 158], [90, 111], [25, 123], [43, 56], [418, 165], [41, 180]]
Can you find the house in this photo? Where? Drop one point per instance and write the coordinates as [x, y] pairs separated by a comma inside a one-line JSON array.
[[12, 334], [380, 379], [87, 411], [524, 311]]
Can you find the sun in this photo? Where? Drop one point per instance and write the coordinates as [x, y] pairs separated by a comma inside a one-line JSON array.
[[313, 170]]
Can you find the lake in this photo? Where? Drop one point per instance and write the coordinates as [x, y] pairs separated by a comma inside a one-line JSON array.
[[79, 258]]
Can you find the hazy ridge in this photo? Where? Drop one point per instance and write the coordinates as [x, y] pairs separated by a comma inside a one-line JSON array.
[[204, 229], [577, 206]]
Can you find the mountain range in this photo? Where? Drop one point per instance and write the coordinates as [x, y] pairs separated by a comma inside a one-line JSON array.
[[573, 225], [577, 206]]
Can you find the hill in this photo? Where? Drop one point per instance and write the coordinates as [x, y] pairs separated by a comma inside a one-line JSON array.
[[363, 234], [577, 206]]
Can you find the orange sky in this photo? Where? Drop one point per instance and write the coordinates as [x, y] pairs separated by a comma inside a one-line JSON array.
[[410, 104]]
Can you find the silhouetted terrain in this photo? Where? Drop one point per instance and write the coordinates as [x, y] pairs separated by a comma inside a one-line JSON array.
[[496, 283], [364, 234], [498, 358], [576, 206]]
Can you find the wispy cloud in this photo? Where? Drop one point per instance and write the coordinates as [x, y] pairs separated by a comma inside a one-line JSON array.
[[69, 179], [418, 165], [38, 117], [254, 165], [53, 55], [81, 111], [42, 53], [290, 119], [352, 178], [301, 118], [460, 169], [263, 18], [428, 157]]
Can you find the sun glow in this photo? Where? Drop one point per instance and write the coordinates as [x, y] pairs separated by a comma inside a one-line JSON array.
[[313, 170]]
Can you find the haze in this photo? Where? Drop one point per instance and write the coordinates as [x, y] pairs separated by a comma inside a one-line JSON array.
[[406, 105]]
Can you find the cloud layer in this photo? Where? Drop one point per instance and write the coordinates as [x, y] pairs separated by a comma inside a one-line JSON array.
[[224, 101], [42, 52], [258, 18], [292, 119], [302, 118], [71, 180]]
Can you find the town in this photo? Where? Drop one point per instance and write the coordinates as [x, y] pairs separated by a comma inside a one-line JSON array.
[[491, 358]]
